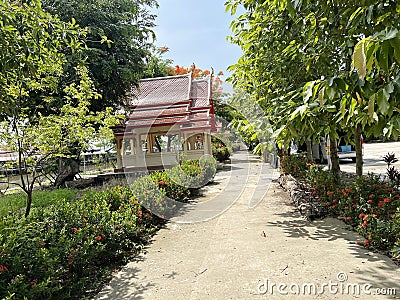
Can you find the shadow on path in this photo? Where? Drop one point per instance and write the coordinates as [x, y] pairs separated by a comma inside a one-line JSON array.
[[330, 229]]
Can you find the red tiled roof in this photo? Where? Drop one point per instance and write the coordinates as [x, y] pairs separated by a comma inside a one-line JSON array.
[[162, 91], [199, 116], [154, 113], [155, 122], [200, 93], [169, 100]]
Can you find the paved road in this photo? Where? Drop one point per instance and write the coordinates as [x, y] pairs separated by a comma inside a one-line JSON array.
[[251, 248], [373, 155]]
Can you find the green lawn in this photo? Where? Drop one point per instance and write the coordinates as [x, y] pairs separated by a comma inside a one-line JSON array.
[[13, 202]]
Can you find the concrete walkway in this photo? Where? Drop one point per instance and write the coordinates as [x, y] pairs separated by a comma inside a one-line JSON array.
[[252, 244]]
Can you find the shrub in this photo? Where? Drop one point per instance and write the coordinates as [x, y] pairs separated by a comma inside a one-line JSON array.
[[296, 165], [65, 249], [395, 251], [62, 250], [151, 196], [369, 204], [188, 174], [182, 181], [208, 165], [219, 149], [170, 187]]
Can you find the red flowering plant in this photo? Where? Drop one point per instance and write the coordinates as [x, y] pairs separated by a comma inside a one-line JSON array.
[[182, 181], [296, 165], [369, 204], [152, 195], [189, 175], [325, 188], [170, 187], [59, 249], [220, 151], [378, 205]]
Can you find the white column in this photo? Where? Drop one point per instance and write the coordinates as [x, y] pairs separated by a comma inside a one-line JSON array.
[[185, 144], [207, 143], [132, 141], [139, 157]]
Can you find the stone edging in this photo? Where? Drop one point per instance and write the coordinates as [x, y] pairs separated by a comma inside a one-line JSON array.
[[301, 196]]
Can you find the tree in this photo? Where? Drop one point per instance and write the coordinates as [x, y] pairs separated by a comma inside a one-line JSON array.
[[33, 44], [119, 43], [158, 66], [117, 46], [297, 63]]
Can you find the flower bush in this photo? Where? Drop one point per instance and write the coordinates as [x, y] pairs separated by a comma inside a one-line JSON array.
[[296, 165], [182, 181], [152, 196], [369, 204], [220, 151], [169, 187], [62, 250], [65, 249]]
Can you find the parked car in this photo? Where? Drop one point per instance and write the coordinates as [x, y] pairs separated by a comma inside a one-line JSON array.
[[320, 151]]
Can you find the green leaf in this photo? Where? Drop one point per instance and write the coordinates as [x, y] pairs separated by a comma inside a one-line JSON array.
[[359, 59], [299, 111], [331, 108], [369, 14], [354, 15], [343, 105], [395, 134], [308, 90], [330, 81], [392, 33], [290, 8], [353, 104], [375, 117], [382, 101], [370, 49], [383, 58], [371, 106], [330, 92], [389, 88], [359, 99], [395, 43], [321, 96]]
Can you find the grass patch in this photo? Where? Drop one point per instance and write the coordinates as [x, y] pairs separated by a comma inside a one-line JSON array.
[[15, 202]]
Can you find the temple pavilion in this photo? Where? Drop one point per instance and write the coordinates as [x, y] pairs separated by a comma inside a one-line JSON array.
[[170, 118]]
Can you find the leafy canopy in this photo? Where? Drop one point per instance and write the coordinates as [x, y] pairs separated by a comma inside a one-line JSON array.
[[119, 43], [297, 63]]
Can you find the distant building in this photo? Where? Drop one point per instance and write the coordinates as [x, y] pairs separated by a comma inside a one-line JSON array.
[[8, 162], [7, 156]]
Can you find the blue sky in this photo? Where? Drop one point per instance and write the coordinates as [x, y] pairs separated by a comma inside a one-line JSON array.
[[195, 31]]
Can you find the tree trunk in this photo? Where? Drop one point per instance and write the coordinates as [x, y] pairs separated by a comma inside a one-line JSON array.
[[309, 149], [334, 157], [68, 170], [358, 146], [28, 202]]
